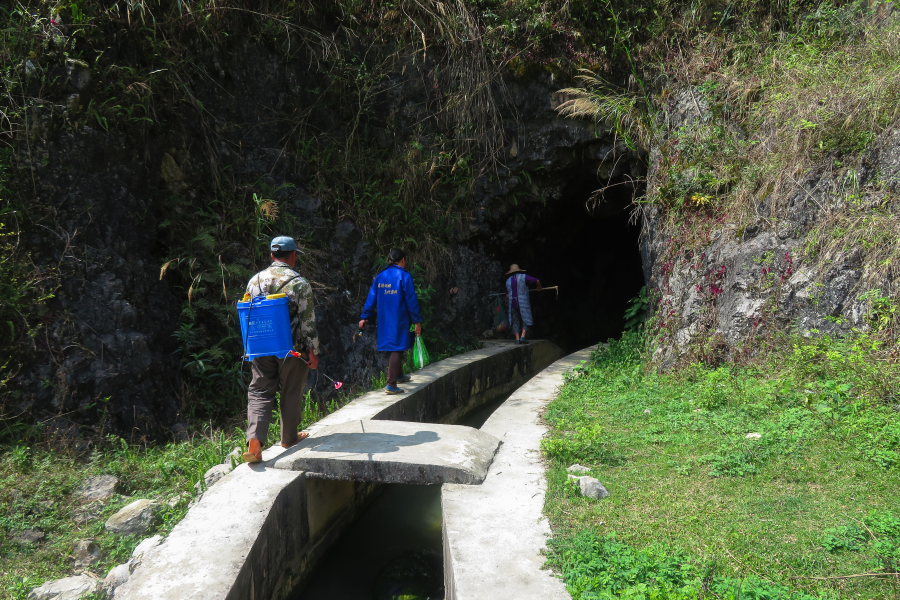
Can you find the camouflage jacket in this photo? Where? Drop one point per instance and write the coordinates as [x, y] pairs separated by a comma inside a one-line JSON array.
[[280, 278]]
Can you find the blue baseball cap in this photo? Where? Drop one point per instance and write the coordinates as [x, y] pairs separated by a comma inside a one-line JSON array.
[[283, 243]]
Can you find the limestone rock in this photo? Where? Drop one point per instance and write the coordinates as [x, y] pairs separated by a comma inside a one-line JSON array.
[[753, 436], [87, 513], [145, 545], [136, 518], [576, 468], [86, 554], [100, 487], [69, 588], [176, 499], [213, 475], [78, 75], [590, 487], [170, 171], [234, 458], [116, 577], [30, 536]]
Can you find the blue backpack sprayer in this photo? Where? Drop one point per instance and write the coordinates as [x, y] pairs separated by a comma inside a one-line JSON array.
[[266, 329]]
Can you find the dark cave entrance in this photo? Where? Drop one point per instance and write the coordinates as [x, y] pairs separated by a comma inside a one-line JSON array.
[[591, 252]]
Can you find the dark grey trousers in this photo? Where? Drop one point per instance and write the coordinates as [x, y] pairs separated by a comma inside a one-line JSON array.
[[270, 375]]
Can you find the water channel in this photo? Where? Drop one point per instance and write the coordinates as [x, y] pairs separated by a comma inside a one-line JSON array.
[[395, 548]]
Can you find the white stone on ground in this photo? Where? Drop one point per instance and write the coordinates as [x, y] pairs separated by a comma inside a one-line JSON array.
[[116, 577], [590, 487], [99, 487], [86, 553], [753, 436], [70, 588], [136, 518], [576, 468]]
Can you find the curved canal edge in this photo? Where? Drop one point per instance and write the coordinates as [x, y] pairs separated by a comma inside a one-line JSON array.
[[258, 533], [495, 533]]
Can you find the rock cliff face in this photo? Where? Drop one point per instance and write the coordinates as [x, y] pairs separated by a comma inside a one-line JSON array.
[[761, 278], [110, 336]]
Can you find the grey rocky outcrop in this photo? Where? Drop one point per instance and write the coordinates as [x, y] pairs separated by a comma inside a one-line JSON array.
[[86, 554], [134, 519], [68, 588], [755, 278], [590, 487], [29, 536], [120, 315], [87, 513], [99, 487], [213, 475]]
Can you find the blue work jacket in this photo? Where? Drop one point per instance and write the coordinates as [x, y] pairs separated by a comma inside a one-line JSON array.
[[393, 295]]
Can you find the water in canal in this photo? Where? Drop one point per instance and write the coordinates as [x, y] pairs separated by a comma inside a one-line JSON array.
[[394, 549]]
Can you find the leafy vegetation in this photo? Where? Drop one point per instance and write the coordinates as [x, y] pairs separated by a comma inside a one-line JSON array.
[[766, 480], [40, 485], [746, 121], [39, 494], [786, 87]]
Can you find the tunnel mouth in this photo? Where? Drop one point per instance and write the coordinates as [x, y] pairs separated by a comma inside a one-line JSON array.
[[586, 243]]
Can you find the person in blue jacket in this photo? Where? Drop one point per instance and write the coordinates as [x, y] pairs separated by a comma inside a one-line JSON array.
[[393, 296]]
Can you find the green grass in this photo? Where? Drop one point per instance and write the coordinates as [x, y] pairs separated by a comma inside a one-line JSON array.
[[40, 478], [39, 485], [692, 497]]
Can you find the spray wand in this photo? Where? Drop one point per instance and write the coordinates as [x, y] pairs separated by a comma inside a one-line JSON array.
[[294, 353], [543, 289]]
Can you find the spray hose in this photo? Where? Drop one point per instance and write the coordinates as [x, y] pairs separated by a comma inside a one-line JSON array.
[[295, 354]]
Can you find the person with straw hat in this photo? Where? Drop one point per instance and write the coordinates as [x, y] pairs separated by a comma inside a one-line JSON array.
[[517, 286]]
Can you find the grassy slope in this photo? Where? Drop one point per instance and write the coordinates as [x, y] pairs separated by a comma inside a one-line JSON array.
[[39, 493], [39, 488], [698, 509], [684, 477]]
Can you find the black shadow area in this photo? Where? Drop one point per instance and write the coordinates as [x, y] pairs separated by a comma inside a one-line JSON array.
[[590, 250]]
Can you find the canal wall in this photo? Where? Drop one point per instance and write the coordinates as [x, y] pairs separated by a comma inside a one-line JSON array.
[[495, 533], [260, 531]]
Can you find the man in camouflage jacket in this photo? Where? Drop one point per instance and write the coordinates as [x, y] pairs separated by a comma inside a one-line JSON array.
[[271, 373]]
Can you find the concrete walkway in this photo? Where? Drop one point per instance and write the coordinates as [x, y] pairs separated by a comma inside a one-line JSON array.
[[495, 533], [260, 531], [394, 452]]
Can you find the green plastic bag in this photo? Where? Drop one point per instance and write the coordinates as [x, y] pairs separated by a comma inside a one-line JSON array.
[[420, 353]]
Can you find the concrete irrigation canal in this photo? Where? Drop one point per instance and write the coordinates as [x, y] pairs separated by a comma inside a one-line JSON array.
[[263, 531]]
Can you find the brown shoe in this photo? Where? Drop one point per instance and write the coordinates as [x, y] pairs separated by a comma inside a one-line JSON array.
[[300, 437], [254, 452]]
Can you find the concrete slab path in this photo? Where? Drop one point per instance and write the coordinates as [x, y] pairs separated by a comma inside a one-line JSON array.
[[394, 452], [260, 531], [495, 533]]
